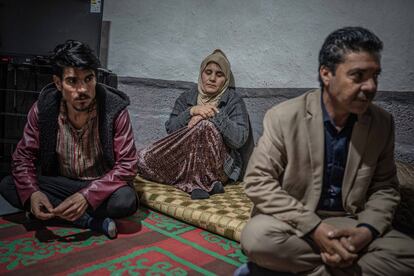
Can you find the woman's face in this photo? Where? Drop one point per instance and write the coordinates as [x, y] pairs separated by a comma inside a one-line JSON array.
[[212, 78]]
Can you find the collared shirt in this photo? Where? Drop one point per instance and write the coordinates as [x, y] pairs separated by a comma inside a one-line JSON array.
[[336, 154], [79, 151]]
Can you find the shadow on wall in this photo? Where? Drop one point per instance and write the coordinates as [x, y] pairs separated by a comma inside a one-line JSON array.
[[152, 101]]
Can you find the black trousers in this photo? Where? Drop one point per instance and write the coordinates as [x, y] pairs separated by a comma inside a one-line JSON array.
[[121, 203]]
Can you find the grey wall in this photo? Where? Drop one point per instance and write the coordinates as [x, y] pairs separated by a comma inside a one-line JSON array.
[[152, 101], [270, 43]]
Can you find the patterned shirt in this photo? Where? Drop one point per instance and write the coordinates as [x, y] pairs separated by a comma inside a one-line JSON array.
[[79, 151]]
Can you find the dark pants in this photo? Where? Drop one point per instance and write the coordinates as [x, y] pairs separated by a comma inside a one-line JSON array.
[[121, 203]]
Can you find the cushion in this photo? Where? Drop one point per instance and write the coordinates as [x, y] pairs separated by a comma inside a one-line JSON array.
[[226, 214], [404, 216]]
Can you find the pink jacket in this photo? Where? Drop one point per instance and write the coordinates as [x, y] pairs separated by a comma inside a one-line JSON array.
[[125, 154]]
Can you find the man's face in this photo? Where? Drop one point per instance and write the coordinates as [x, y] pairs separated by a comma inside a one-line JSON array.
[[77, 87], [354, 84]]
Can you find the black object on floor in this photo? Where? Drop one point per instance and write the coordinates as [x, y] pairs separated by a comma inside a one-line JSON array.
[[199, 194], [217, 188]]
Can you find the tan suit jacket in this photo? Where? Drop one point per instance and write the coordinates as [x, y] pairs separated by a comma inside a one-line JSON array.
[[285, 173]]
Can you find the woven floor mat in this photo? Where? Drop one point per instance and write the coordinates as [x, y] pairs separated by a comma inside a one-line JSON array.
[[224, 214]]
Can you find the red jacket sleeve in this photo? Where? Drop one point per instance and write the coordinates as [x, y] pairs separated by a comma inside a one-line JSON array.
[[125, 167], [25, 156]]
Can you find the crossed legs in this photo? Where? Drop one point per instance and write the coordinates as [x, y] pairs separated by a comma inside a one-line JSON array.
[[272, 244], [123, 202]]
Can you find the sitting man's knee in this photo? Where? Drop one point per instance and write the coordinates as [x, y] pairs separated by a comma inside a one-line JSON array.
[[264, 237], [123, 203], [255, 236], [6, 182]]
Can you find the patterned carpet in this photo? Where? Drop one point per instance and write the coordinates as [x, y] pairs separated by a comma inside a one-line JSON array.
[[149, 243]]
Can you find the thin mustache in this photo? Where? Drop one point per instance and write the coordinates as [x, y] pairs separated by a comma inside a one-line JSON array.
[[365, 96], [82, 97]]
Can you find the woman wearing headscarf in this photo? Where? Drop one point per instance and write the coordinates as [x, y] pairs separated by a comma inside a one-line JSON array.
[[210, 138]]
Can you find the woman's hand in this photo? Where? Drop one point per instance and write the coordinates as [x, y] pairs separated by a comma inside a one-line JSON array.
[[194, 120], [205, 111]]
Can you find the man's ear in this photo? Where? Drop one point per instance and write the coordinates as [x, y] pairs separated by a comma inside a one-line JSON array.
[[325, 74], [58, 82]]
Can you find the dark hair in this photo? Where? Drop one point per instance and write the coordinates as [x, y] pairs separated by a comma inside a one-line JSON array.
[[343, 41], [73, 53]]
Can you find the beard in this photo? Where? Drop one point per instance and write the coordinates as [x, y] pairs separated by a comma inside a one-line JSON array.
[[85, 105], [82, 108]]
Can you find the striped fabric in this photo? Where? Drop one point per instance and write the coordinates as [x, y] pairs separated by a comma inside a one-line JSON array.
[[79, 151], [188, 158]]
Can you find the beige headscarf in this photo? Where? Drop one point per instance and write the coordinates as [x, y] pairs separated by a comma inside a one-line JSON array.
[[220, 58]]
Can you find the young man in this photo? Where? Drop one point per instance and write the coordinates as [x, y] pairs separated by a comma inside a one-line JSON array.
[[79, 134], [323, 178]]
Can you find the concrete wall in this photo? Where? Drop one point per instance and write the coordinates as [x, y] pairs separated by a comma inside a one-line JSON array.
[[270, 43]]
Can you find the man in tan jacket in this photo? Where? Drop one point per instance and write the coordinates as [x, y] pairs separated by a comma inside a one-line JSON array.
[[323, 178]]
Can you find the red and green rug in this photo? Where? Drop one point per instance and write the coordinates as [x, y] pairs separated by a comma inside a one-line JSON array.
[[149, 243]]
